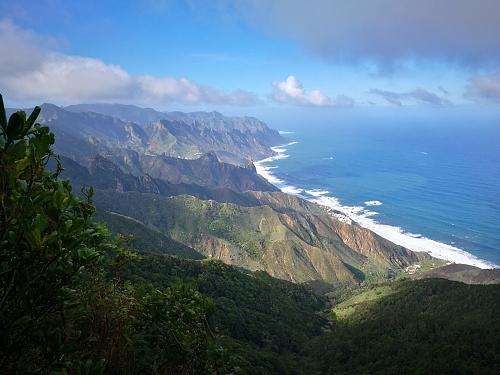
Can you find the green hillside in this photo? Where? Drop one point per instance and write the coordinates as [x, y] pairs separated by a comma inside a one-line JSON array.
[[414, 327], [295, 246], [263, 322], [144, 238]]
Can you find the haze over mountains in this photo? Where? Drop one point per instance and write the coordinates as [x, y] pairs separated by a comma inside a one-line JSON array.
[[188, 135]]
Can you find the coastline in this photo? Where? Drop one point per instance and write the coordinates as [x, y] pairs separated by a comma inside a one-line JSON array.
[[365, 217]]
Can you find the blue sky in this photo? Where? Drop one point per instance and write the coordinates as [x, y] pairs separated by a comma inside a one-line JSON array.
[[251, 56]]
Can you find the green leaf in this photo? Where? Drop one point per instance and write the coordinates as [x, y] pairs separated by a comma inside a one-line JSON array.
[[18, 150], [15, 127], [3, 117], [31, 120]]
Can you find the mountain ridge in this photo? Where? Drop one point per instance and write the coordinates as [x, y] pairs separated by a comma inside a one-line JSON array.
[[234, 139], [292, 246]]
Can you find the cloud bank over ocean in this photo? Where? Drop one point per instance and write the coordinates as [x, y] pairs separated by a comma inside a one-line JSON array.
[[418, 95]]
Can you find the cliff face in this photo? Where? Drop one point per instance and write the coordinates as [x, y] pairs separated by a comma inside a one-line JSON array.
[[232, 139], [85, 130], [373, 246], [354, 236], [205, 177], [188, 135], [206, 170]]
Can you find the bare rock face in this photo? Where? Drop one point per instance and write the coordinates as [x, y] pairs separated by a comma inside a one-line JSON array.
[[250, 165], [207, 170], [373, 246]]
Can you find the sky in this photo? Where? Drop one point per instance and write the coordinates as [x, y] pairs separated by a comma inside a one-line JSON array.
[[253, 56]]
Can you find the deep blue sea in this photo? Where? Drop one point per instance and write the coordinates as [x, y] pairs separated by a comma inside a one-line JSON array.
[[427, 182]]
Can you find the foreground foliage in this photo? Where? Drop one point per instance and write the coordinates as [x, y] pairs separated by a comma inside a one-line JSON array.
[[63, 304]]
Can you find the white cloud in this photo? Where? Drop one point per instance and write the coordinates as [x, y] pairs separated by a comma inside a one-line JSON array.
[[417, 95], [30, 72], [484, 87], [292, 91], [21, 49]]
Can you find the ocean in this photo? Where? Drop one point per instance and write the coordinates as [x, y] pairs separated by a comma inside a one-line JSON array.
[[430, 183]]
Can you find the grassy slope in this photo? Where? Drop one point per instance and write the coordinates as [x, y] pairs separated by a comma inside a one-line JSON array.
[[143, 237]]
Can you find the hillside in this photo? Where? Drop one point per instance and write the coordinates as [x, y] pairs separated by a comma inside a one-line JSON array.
[[205, 177], [263, 322], [413, 327], [145, 238], [206, 170], [86, 132], [295, 246], [274, 327], [465, 274], [286, 236]]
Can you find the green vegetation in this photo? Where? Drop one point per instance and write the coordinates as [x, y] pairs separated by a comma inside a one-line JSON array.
[[345, 309], [189, 220], [427, 265], [144, 238], [264, 322], [64, 307], [74, 301], [429, 326]]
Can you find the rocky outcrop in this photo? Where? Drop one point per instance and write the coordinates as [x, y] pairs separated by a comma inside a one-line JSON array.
[[207, 170], [188, 135]]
